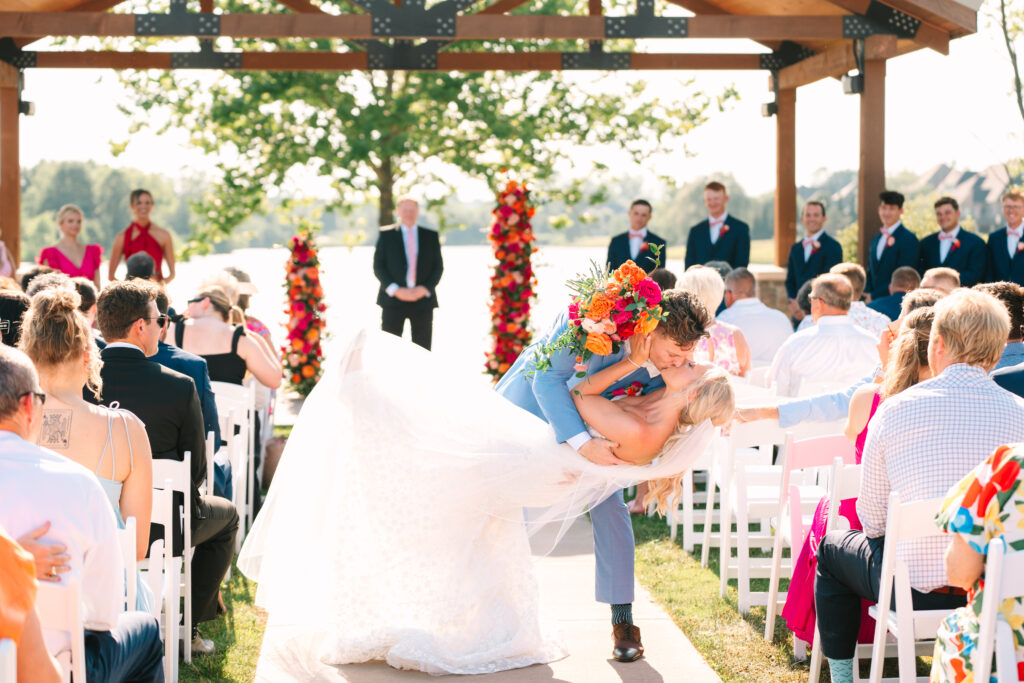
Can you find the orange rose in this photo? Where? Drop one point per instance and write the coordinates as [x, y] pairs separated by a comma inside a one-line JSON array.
[[308, 371], [630, 273], [296, 379], [600, 306], [296, 344], [601, 344], [645, 324]]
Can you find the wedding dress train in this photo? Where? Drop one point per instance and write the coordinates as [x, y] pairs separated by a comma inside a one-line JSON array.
[[394, 529]]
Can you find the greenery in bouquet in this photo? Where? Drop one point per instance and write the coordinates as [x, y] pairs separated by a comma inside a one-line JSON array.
[[513, 282], [606, 310], [302, 354]]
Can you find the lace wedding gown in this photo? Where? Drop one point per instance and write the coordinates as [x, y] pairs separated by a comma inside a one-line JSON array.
[[394, 529]]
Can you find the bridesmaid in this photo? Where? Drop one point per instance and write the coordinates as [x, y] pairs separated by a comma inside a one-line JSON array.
[[142, 235], [70, 256]]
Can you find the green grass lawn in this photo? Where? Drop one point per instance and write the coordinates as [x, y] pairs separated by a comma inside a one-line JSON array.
[[761, 251]]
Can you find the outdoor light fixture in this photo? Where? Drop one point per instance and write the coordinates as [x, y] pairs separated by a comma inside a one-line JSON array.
[[854, 85], [769, 109], [26, 108]]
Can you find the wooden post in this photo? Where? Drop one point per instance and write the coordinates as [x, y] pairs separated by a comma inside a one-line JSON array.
[[785, 175], [871, 175], [10, 173]]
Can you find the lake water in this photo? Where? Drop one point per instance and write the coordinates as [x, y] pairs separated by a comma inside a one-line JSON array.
[[461, 323]]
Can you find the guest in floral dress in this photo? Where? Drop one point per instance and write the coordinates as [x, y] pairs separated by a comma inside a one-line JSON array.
[[726, 347], [986, 505]]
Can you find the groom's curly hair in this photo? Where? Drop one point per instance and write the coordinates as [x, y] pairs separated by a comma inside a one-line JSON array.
[[688, 320]]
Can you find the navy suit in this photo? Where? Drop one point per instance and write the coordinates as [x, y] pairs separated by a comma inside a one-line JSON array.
[[1011, 378], [618, 252], [904, 251], [889, 305], [998, 264], [822, 259], [733, 245], [968, 259]]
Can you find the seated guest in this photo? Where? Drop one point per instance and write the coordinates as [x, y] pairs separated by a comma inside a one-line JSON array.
[[723, 269], [38, 485], [835, 350], [9, 284], [167, 403], [904, 279], [29, 274], [725, 346], [952, 246], [764, 329], [112, 444], [1003, 259], [921, 442], [13, 305], [195, 367], [635, 244], [719, 237], [908, 365], [985, 506], [246, 289], [48, 281], [1012, 297], [664, 278], [815, 254], [944, 280], [872, 321], [87, 292], [893, 247], [139, 266], [802, 314], [6, 262], [19, 620]]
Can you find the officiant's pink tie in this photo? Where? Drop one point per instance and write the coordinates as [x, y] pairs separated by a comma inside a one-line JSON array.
[[410, 255]]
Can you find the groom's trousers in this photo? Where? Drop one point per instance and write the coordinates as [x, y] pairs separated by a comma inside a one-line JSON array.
[[614, 550]]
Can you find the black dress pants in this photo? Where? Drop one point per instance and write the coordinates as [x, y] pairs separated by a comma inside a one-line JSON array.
[[850, 568], [213, 537], [421, 322]]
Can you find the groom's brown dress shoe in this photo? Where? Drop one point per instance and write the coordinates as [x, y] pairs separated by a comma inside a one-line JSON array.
[[628, 647]]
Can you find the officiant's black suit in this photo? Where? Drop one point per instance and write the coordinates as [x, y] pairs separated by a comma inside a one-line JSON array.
[[167, 403], [390, 266]]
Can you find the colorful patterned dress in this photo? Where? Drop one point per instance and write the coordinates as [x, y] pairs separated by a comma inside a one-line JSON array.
[[723, 336], [987, 504]]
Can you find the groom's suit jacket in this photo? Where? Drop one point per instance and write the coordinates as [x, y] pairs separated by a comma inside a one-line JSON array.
[[546, 393]]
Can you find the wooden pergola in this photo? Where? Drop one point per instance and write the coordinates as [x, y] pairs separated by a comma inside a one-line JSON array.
[[804, 40]]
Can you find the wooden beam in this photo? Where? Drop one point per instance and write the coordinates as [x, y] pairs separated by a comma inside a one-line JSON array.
[[835, 62], [793, 28], [502, 6], [8, 76], [301, 6], [928, 34], [696, 62], [785, 175], [10, 174], [871, 172], [528, 26], [946, 14]]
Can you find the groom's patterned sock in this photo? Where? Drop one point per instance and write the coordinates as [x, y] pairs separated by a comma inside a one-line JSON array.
[[622, 614]]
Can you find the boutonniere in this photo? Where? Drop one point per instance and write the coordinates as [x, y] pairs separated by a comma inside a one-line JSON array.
[[891, 241], [634, 389], [725, 229], [644, 246], [815, 246], [956, 245], [1020, 246]]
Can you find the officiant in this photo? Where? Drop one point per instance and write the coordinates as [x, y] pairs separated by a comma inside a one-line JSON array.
[[407, 262], [635, 244]]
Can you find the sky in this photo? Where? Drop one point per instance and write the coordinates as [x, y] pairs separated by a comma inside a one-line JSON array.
[[956, 109]]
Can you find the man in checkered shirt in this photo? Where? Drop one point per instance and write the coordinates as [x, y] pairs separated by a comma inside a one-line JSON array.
[[920, 443]]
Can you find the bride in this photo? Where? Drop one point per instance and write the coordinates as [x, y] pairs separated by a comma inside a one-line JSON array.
[[395, 531]]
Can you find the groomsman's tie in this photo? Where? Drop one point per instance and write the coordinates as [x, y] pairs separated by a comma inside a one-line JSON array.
[[410, 255]]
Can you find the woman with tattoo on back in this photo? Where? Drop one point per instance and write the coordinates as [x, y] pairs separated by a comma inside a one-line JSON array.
[[111, 443]]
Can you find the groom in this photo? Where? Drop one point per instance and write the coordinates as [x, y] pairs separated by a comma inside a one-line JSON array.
[[546, 395]]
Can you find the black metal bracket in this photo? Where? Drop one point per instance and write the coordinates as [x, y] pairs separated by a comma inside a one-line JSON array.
[[788, 54], [206, 58], [596, 59], [403, 55], [880, 19], [177, 22], [645, 25], [15, 56]]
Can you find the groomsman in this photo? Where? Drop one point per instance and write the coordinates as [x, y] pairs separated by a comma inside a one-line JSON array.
[[815, 254], [635, 244], [719, 237], [407, 262], [953, 247], [893, 247], [1004, 259]]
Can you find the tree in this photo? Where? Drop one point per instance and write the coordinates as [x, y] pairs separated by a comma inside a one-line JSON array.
[[1011, 23], [70, 184], [380, 133]]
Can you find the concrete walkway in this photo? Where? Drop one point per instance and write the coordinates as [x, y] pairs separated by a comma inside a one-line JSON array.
[[567, 589]]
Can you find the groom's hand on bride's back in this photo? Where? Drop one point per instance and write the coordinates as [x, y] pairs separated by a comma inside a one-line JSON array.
[[601, 452]]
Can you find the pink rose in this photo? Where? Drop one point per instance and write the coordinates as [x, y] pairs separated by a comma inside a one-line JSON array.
[[574, 311], [580, 367], [621, 317], [650, 291]]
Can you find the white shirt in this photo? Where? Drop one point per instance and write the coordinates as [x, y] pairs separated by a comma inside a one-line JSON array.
[[886, 234], [716, 231], [871, 320], [806, 323], [923, 441], [1011, 240], [809, 246], [636, 242], [37, 485], [406, 229], [946, 244], [834, 351], [764, 328]]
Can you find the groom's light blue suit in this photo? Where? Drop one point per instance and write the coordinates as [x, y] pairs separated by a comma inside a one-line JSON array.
[[546, 395]]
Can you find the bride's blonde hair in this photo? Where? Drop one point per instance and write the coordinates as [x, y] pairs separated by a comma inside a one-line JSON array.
[[713, 400]]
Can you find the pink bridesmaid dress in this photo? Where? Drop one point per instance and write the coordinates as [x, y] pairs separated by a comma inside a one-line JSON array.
[[55, 258]]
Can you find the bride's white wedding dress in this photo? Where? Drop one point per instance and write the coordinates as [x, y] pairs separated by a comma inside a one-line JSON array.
[[394, 529]]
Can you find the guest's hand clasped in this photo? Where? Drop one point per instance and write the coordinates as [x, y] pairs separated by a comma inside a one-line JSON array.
[[51, 559]]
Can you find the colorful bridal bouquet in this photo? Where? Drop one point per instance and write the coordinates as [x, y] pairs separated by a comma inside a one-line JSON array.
[[302, 355], [607, 309]]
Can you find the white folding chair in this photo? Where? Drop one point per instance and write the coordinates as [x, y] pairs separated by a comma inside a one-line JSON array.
[[161, 573], [1004, 580], [126, 540], [914, 630], [682, 512], [758, 376], [8, 661], [236, 405], [177, 475], [798, 498], [59, 606]]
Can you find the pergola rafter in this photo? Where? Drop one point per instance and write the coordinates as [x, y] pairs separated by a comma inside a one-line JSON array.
[[807, 40]]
